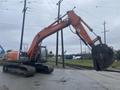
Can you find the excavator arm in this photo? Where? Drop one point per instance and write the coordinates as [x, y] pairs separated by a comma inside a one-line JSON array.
[[45, 33], [101, 53], [73, 20]]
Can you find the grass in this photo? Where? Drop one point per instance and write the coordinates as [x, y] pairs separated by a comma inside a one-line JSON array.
[[84, 62], [88, 63], [116, 65]]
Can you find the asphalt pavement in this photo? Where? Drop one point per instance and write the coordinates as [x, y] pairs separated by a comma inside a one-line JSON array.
[[62, 79]]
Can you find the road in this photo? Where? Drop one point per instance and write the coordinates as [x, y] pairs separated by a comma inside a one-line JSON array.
[[62, 79]]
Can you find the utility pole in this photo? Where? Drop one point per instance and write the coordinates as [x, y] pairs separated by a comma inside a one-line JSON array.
[[23, 23], [81, 48], [62, 44], [104, 32], [85, 49], [57, 39]]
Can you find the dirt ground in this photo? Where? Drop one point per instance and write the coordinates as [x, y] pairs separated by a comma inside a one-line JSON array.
[[62, 79]]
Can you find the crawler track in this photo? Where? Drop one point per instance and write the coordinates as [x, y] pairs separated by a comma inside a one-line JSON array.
[[20, 69]]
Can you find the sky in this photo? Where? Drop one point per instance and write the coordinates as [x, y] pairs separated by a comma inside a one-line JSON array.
[[41, 13]]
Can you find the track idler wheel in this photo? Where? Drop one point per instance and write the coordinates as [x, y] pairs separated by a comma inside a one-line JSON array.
[[102, 56]]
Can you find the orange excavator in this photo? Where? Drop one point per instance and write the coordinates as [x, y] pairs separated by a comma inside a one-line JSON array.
[[102, 54]]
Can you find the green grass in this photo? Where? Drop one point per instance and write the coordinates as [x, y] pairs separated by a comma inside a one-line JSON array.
[[116, 65], [88, 63], [83, 62]]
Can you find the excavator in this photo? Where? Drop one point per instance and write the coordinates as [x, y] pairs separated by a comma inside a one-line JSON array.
[[102, 54]]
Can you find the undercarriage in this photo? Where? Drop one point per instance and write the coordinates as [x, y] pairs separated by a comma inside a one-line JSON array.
[[26, 69]]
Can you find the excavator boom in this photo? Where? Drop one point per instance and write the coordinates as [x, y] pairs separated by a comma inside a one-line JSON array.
[[72, 19], [104, 53], [45, 33]]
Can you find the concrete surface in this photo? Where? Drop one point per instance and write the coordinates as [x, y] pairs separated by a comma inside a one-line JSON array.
[[62, 79]]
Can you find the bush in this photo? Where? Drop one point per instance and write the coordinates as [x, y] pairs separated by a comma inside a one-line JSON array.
[[117, 55]]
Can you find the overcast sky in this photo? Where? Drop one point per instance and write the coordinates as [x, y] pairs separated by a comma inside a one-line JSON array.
[[42, 13]]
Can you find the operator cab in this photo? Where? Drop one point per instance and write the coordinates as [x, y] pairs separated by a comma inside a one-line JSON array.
[[42, 54]]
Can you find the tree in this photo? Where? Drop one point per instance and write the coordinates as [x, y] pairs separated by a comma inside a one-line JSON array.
[[117, 55]]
